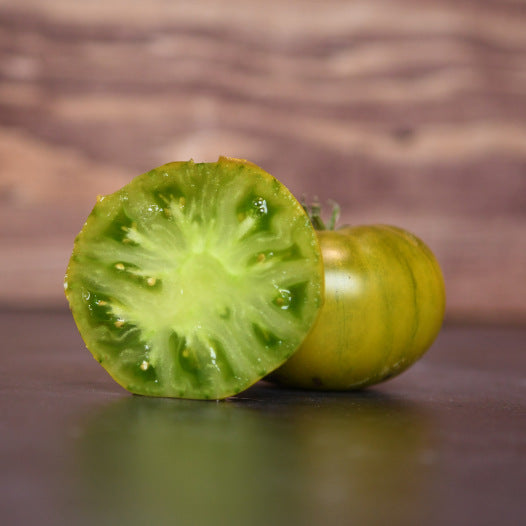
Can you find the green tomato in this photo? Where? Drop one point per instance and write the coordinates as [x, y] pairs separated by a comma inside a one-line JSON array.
[[384, 306], [195, 280]]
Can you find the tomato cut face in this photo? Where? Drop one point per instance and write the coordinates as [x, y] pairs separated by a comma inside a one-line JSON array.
[[195, 280]]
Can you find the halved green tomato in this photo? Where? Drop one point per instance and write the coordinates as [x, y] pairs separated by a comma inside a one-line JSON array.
[[195, 280]]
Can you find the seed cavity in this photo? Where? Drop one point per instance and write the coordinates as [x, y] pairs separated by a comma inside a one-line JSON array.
[[260, 205], [284, 299], [225, 313], [144, 365], [266, 337]]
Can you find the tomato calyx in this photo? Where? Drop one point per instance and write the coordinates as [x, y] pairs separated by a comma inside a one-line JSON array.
[[314, 212]]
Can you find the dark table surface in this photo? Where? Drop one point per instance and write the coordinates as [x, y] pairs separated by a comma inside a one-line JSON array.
[[444, 443]]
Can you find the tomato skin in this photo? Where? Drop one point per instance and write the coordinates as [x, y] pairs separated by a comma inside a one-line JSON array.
[[384, 306]]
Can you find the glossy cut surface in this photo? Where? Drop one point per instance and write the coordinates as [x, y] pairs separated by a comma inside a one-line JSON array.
[[195, 280], [384, 306]]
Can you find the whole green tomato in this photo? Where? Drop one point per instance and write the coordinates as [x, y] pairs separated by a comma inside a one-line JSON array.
[[384, 306]]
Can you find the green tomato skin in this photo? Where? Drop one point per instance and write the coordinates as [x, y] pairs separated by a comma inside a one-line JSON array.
[[384, 306]]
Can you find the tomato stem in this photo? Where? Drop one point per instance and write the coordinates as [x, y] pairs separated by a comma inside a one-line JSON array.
[[314, 213], [335, 215]]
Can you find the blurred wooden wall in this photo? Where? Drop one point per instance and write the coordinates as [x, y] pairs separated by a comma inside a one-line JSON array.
[[407, 112]]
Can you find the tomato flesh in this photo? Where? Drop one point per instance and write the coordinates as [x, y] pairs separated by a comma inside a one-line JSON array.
[[195, 280]]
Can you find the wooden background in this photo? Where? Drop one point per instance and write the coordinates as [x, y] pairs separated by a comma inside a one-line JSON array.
[[407, 112]]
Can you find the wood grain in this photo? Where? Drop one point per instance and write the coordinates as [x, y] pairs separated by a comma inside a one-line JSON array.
[[412, 113]]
